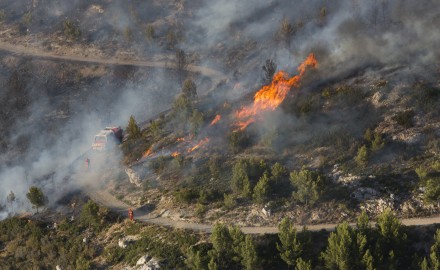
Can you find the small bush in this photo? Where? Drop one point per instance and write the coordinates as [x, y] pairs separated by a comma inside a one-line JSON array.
[[238, 140], [362, 156], [187, 195], [405, 118], [71, 30], [230, 202]]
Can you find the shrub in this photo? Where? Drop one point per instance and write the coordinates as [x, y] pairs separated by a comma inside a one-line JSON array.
[[71, 30], [133, 129], [308, 185], [362, 156], [432, 190], [238, 140], [229, 201], [186, 195], [405, 118]]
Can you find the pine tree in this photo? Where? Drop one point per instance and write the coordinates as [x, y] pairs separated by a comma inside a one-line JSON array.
[[269, 70], [308, 185], [262, 189], [133, 129], [36, 197], [435, 251], [289, 247], [249, 254], [303, 265], [391, 240], [11, 199], [362, 156], [341, 250], [189, 89], [194, 260]]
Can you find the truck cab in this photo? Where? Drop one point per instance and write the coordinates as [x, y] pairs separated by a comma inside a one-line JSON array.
[[107, 139]]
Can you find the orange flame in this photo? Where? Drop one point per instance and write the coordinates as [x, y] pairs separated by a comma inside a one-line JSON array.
[[198, 145], [147, 153], [175, 154], [269, 97], [217, 118]]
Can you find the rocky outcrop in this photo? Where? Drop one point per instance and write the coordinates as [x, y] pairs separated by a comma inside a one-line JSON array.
[[146, 262], [133, 177]]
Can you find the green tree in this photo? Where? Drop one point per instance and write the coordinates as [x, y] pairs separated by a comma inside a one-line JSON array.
[[2, 15], [285, 32], [90, 215], [341, 249], [308, 185], [303, 265], [229, 201], [362, 156], [36, 197], [133, 130], [82, 264], [26, 19], [196, 122], [189, 89], [277, 172], [289, 246], [155, 129], [194, 260], [249, 254], [262, 189], [369, 135], [221, 239], [363, 223], [181, 64], [434, 256], [240, 178], [269, 70], [128, 34], [171, 39], [11, 199], [238, 140], [71, 30], [378, 142], [238, 239], [150, 33], [432, 190], [391, 240], [182, 108]]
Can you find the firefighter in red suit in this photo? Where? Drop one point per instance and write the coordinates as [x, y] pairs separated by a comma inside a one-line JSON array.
[[87, 164], [130, 214]]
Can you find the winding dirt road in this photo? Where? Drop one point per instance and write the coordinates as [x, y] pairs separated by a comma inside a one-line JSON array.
[[109, 201]]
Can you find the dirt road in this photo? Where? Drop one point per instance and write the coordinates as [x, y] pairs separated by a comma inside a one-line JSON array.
[[38, 53], [106, 199]]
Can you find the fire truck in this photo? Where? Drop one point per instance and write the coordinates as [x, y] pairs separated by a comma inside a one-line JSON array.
[[107, 139]]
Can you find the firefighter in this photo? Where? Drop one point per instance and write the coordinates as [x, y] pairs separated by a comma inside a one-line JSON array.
[[87, 164], [130, 214]]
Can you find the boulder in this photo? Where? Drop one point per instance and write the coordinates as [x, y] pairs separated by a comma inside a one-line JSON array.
[[133, 176]]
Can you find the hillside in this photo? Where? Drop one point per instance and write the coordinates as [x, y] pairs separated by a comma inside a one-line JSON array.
[[241, 113]]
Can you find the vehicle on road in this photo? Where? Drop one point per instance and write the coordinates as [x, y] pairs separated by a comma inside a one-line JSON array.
[[107, 139]]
